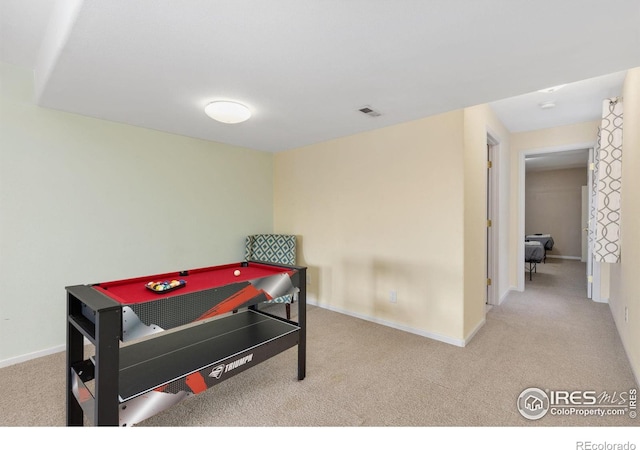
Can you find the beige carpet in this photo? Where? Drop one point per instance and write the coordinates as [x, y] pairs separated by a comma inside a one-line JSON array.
[[361, 374]]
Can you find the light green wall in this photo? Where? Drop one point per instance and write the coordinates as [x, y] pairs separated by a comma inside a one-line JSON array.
[[85, 200]]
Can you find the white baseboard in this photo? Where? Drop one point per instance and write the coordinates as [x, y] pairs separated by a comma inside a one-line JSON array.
[[435, 336], [634, 370], [30, 356], [474, 331], [506, 294], [577, 258], [311, 301]]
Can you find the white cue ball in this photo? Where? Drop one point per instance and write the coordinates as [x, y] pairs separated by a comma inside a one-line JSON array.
[[236, 272]]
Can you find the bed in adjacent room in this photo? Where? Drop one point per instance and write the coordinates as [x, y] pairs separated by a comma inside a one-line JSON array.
[[545, 239], [534, 253]]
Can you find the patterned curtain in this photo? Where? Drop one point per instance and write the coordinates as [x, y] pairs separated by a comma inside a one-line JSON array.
[[593, 202], [607, 183]]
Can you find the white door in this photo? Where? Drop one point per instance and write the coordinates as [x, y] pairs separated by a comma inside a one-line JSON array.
[[585, 223], [585, 257], [589, 225], [489, 237]]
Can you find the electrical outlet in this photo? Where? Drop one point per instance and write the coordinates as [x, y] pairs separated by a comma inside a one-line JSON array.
[[626, 314], [393, 296], [308, 279]]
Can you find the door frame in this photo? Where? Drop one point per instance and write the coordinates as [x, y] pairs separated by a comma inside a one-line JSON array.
[[493, 210], [590, 206], [522, 154], [594, 276]]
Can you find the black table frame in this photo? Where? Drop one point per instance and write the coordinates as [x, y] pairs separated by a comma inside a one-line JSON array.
[[126, 374]]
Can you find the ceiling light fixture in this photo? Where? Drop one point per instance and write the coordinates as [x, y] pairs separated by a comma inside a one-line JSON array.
[[552, 89], [227, 112], [547, 105]]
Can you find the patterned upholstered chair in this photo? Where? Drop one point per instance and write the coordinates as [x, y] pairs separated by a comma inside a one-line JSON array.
[[275, 248]]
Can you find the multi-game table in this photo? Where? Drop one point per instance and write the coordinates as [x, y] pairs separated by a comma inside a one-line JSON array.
[[155, 348]]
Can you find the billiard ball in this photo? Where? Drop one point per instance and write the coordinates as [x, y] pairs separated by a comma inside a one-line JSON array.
[[236, 272]]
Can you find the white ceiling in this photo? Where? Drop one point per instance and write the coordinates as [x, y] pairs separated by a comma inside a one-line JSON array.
[[306, 67], [581, 101]]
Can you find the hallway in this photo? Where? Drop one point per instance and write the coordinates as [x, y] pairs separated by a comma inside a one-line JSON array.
[[571, 342]]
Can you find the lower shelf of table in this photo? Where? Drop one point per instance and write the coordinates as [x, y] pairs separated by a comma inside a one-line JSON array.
[[158, 361], [172, 356]]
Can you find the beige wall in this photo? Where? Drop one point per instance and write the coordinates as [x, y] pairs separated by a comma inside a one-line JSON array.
[[381, 211], [478, 122], [395, 209], [556, 137], [625, 279], [84, 200], [553, 205]]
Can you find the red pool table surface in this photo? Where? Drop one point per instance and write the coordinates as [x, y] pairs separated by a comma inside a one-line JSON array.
[[134, 290]]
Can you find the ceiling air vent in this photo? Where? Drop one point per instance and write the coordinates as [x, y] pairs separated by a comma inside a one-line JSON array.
[[369, 112]]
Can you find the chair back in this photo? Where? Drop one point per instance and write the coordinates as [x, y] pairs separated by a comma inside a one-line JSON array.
[[275, 248]]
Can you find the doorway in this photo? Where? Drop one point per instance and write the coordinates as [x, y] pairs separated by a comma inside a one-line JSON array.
[[560, 152]]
